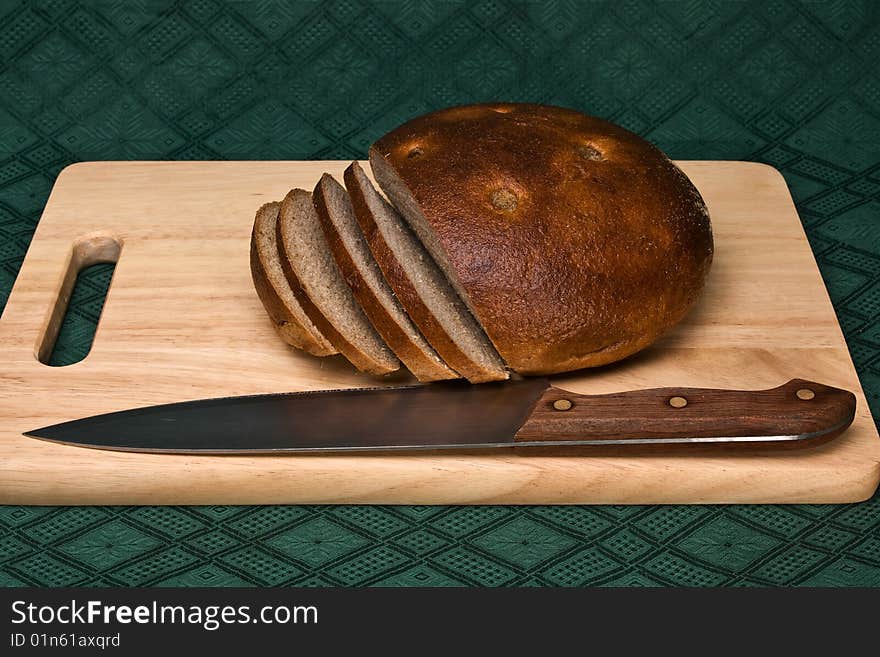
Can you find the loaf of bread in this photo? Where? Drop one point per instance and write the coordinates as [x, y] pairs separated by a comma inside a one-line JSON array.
[[573, 241], [514, 238]]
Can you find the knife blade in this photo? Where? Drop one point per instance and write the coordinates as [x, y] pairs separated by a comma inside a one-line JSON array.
[[455, 415]]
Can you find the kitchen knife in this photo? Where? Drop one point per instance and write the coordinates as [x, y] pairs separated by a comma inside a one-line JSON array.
[[525, 413]]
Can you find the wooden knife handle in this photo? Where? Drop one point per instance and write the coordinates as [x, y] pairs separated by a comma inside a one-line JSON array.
[[811, 412]]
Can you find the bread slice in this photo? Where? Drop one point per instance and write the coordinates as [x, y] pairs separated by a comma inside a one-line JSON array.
[[349, 248], [288, 317], [322, 291], [420, 286]]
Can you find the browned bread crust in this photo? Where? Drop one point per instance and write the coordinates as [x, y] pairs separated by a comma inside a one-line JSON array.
[[396, 329], [405, 290], [288, 317], [573, 241], [366, 356]]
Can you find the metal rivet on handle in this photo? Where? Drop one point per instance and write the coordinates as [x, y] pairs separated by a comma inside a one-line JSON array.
[[562, 405], [678, 402], [805, 394]]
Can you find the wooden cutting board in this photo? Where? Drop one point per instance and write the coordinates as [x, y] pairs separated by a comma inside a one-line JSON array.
[[182, 322]]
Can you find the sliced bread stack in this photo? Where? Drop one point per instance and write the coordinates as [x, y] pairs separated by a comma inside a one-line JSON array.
[[338, 271], [515, 238]]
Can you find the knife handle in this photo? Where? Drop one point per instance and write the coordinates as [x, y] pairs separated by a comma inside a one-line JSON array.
[[811, 412]]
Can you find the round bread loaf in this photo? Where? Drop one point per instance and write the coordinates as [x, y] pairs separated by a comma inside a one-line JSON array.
[[573, 241]]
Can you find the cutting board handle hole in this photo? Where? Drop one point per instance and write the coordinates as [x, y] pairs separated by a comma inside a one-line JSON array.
[[86, 279]]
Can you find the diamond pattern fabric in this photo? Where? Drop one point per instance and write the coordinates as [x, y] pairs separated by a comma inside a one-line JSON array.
[[791, 84]]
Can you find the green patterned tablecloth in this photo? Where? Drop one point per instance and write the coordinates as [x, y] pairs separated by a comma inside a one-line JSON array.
[[792, 84]]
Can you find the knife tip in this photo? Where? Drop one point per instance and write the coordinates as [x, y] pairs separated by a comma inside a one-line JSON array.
[[44, 433]]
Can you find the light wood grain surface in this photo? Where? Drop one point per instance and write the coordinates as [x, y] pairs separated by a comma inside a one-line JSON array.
[[183, 322]]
